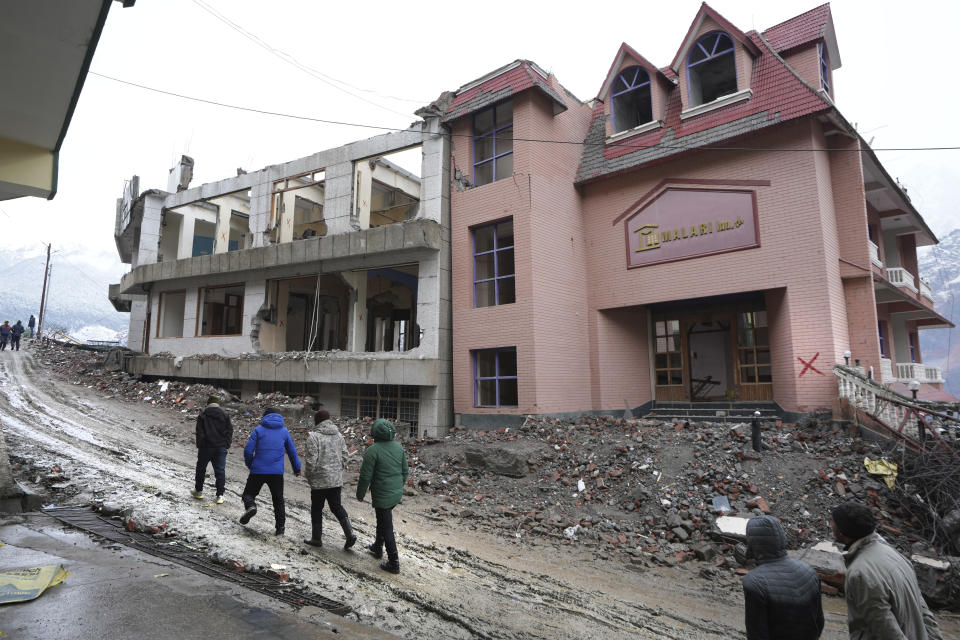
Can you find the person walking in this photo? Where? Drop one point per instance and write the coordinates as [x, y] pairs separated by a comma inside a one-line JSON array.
[[263, 456], [15, 332], [324, 459], [883, 598], [31, 324], [384, 472], [781, 595], [214, 437], [4, 334]]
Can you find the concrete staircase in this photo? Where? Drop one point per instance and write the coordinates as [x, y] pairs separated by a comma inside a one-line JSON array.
[[730, 412]]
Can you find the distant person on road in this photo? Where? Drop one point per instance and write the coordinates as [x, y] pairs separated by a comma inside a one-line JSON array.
[[214, 437], [781, 595], [263, 455], [883, 598], [5, 334], [324, 458], [31, 324], [15, 332], [384, 472]]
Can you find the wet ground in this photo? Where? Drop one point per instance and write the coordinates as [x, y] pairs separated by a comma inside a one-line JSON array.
[[457, 581]]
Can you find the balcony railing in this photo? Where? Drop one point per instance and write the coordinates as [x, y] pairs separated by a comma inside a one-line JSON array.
[[925, 290], [886, 370], [874, 254], [919, 372], [900, 277]]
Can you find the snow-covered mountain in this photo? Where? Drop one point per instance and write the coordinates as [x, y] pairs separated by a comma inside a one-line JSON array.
[[77, 300], [941, 347]]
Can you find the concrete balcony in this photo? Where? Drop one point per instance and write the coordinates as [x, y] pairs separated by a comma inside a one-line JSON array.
[[390, 243], [919, 372], [886, 370], [875, 254], [119, 301], [925, 290], [900, 277]]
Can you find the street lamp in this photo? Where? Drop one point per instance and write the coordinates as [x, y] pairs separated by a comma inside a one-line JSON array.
[[914, 386], [846, 356]]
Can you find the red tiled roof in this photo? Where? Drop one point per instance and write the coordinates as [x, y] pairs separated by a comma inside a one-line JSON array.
[[500, 87], [799, 30], [778, 95]]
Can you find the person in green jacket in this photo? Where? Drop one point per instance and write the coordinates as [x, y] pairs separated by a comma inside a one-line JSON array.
[[384, 472]]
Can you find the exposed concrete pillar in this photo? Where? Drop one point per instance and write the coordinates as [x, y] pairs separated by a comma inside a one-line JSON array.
[[363, 193], [221, 234], [150, 230], [260, 208], [285, 216], [338, 198], [185, 243], [357, 318]]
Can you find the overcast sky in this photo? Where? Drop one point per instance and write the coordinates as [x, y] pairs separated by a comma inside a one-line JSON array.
[[375, 63]]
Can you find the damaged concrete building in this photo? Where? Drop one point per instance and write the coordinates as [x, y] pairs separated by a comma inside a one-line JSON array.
[[713, 233], [325, 276]]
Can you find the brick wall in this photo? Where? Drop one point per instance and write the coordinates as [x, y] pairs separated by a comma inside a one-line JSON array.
[[806, 62]]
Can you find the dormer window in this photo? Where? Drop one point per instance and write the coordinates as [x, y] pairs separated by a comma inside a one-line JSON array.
[[631, 104], [711, 68], [824, 68]]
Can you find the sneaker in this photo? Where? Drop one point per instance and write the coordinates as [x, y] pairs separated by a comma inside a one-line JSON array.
[[196, 494], [374, 551], [390, 566], [219, 499], [249, 513]]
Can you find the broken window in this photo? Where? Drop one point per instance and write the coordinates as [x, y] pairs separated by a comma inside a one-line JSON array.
[[239, 231], [305, 314], [495, 377], [170, 314], [631, 104], [668, 360], [493, 143], [391, 309], [221, 311], [203, 238], [386, 193], [493, 265], [399, 403], [753, 343], [824, 67], [296, 209], [711, 68]]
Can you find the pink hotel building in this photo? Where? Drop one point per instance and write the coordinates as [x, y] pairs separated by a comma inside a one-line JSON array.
[[713, 230]]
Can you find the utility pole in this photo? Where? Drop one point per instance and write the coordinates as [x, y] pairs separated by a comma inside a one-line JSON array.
[[43, 296]]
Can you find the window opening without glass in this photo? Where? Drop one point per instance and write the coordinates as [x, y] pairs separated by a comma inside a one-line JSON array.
[[495, 377], [398, 403], [170, 314], [711, 68], [753, 343], [631, 105], [493, 143], [494, 280], [221, 311]]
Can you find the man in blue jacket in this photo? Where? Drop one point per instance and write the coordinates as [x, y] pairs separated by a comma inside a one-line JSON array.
[[263, 455]]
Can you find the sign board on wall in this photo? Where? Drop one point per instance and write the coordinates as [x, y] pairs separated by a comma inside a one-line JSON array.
[[690, 223]]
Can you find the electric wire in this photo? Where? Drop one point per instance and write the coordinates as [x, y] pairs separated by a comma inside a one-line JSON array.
[[582, 143]]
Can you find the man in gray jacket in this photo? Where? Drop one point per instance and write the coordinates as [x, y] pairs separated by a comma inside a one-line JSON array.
[[325, 456], [883, 599]]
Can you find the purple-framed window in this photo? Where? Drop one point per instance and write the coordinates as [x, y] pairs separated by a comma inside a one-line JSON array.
[[824, 68], [630, 103], [883, 340], [493, 143], [495, 377], [711, 68], [494, 276], [912, 339]]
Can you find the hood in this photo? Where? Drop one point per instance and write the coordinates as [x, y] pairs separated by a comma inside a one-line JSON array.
[[327, 428], [766, 539], [383, 431], [272, 421]]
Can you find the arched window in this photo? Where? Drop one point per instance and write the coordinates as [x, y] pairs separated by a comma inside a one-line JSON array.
[[711, 68], [631, 99]]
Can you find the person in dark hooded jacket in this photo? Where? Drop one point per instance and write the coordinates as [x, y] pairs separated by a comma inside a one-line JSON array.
[[384, 471], [781, 595], [263, 455], [15, 332], [214, 437]]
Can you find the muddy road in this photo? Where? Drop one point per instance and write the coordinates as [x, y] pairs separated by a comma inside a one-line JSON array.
[[456, 581]]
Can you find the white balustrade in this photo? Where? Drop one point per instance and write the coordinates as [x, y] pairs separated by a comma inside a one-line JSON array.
[[874, 253], [900, 277], [925, 290], [886, 370]]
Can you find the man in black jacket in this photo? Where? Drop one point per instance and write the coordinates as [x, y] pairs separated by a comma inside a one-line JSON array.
[[781, 595], [214, 437]]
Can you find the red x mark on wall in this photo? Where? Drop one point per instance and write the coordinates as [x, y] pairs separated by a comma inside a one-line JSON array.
[[809, 365]]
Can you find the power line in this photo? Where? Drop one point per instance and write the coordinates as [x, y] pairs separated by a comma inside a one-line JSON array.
[[322, 77], [582, 143]]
